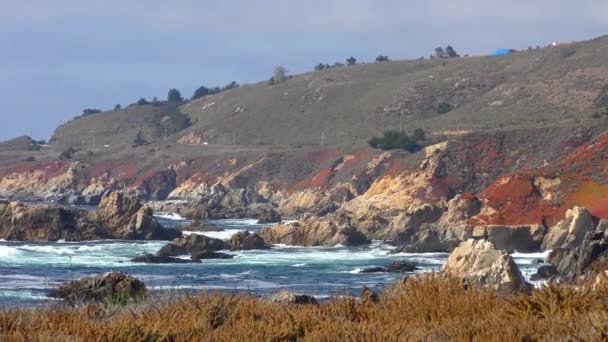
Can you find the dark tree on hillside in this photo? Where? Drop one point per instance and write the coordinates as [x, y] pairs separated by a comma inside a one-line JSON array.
[[142, 102], [118, 107], [439, 53], [139, 139], [451, 52], [351, 61], [321, 66], [382, 58], [201, 91], [174, 96], [418, 135]]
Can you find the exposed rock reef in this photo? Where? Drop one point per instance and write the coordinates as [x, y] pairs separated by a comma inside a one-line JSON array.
[[246, 241], [397, 267], [118, 217], [313, 231], [479, 262], [192, 243], [111, 287]]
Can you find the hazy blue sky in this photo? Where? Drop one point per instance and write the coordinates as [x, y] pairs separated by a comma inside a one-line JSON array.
[[58, 57]]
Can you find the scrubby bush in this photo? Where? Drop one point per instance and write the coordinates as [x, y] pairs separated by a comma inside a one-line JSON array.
[[231, 85], [394, 139], [142, 102], [117, 107], [279, 76], [322, 66], [351, 61], [68, 153], [443, 108], [139, 140], [176, 121], [382, 58], [90, 111]]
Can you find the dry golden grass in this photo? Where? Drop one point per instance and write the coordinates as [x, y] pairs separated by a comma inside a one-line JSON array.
[[425, 308]]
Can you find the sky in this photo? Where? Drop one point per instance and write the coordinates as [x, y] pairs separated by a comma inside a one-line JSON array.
[[59, 57]]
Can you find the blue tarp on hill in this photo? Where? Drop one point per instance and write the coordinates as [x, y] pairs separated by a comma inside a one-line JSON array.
[[501, 52]]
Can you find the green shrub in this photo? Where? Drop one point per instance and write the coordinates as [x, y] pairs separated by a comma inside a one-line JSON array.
[[139, 140], [394, 139], [68, 153], [443, 108], [382, 58]]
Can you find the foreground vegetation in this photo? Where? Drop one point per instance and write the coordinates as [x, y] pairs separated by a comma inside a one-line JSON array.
[[429, 307]]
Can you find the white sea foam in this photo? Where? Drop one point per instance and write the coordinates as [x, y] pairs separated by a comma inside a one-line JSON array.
[[299, 265], [540, 255], [169, 216], [222, 235], [7, 251]]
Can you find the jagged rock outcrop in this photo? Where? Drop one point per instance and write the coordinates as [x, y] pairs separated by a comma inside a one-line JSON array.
[[445, 233], [570, 232], [478, 261], [269, 216], [22, 222], [309, 201], [191, 244], [144, 226], [314, 231], [118, 217], [246, 241], [593, 250], [111, 285], [116, 209], [452, 228], [525, 239], [407, 224]]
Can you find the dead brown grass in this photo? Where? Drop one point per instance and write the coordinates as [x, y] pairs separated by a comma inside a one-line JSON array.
[[425, 308]]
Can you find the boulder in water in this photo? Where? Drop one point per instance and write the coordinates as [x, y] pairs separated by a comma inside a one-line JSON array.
[[545, 272], [192, 243], [394, 267], [161, 259], [246, 241], [111, 286], [209, 255]]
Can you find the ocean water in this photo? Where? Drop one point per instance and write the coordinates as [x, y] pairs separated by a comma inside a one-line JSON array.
[[28, 271]]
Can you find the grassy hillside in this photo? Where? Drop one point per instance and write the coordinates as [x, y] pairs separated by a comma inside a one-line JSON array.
[[552, 86]]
